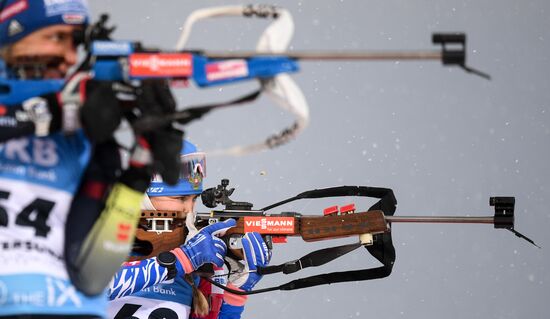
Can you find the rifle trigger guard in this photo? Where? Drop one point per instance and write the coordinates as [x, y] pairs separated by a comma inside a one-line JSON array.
[[292, 266]]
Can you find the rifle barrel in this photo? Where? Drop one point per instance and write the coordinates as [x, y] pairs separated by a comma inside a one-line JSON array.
[[441, 219], [332, 55]]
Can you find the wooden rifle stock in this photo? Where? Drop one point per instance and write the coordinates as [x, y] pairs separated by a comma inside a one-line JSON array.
[[314, 228], [160, 231]]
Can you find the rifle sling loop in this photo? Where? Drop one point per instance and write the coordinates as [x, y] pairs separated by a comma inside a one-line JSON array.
[[383, 252]]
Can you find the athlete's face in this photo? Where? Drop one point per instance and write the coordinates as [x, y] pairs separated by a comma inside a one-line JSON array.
[[51, 47], [185, 204]]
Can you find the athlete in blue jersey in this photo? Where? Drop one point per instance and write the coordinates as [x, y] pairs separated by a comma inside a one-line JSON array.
[[146, 289], [67, 210]]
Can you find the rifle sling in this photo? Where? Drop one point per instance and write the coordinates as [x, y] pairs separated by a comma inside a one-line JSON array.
[[313, 259], [386, 203], [385, 256], [195, 112], [152, 122], [382, 249]]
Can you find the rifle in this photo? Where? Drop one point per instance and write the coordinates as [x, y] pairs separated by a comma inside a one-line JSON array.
[[163, 230], [270, 64]]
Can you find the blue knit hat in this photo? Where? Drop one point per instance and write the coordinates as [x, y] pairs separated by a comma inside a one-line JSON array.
[[193, 170], [19, 18]]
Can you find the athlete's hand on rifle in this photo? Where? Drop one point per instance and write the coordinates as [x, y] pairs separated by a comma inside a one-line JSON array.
[[102, 111], [156, 150], [256, 254], [203, 248]]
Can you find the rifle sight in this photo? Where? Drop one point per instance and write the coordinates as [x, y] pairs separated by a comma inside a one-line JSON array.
[[211, 197]]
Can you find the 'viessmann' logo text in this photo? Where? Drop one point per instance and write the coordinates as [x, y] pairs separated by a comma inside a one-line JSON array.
[[265, 224], [269, 225]]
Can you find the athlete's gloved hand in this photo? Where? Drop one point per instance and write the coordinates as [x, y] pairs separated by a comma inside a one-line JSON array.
[[205, 247], [155, 150], [102, 111], [256, 254]]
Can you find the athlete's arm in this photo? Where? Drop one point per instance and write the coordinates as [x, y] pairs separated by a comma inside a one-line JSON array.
[[135, 276], [102, 219], [201, 249], [111, 204]]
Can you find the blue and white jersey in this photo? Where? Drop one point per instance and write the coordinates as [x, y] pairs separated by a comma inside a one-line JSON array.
[[139, 290], [38, 180], [171, 299]]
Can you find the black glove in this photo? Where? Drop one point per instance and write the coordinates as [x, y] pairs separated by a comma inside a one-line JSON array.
[[108, 102], [154, 99], [102, 110]]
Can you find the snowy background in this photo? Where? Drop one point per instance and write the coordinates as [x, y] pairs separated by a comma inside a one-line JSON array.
[[444, 140]]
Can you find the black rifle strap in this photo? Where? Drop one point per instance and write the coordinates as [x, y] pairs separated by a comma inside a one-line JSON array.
[[313, 259], [387, 202], [192, 113], [386, 256], [149, 123]]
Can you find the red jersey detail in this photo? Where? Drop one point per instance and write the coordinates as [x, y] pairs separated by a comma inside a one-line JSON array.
[[131, 263], [214, 295], [94, 189]]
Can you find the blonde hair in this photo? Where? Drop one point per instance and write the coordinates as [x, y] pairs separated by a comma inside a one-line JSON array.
[[200, 304]]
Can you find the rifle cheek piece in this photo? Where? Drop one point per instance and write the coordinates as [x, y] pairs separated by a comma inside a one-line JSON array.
[[504, 211]]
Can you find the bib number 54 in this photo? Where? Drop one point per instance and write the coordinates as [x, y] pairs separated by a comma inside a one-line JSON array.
[[34, 215]]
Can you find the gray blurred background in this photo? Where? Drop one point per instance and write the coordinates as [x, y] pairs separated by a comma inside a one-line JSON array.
[[444, 141]]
